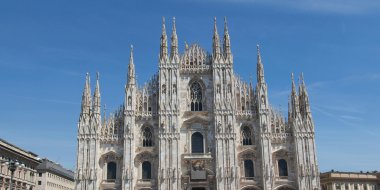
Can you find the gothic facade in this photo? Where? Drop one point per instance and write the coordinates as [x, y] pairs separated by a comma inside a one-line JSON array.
[[196, 125]]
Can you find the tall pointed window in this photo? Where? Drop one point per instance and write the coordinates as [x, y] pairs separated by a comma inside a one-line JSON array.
[[282, 168], [147, 137], [197, 143], [249, 169], [111, 171], [196, 96], [246, 136], [146, 170]]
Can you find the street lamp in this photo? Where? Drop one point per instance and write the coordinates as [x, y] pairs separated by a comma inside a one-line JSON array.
[[12, 166]]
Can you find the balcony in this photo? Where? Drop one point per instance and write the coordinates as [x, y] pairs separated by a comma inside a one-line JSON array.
[[111, 183], [197, 156], [145, 182]]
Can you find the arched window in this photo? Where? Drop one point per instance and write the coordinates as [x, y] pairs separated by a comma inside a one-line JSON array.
[[196, 96], [146, 170], [147, 137], [282, 168], [197, 143], [246, 135], [111, 171], [248, 168]]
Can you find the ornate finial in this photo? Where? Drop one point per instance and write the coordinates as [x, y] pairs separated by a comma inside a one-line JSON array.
[[163, 26], [131, 55], [225, 23], [293, 85], [174, 27], [186, 46], [258, 49], [258, 54], [163, 43], [97, 75], [174, 43], [215, 27]]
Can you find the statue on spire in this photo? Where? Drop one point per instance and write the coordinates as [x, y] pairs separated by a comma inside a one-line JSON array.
[[294, 100], [227, 42], [260, 67], [131, 69], [215, 42], [86, 97], [174, 44], [164, 41], [97, 96]]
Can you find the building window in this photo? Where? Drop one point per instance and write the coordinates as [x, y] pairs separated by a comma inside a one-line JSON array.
[[147, 137], [39, 182], [40, 174], [246, 136], [111, 170], [248, 168], [196, 96], [197, 143], [282, 167], [146, 170]]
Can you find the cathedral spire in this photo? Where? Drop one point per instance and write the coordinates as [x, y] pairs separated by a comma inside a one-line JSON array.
[[131, 69], [260, 67], [294, 92], [304, 97], [174, 44], [86, 97], [97, 96], [164, 41], [216, 42], [227, 42], [294, 102]]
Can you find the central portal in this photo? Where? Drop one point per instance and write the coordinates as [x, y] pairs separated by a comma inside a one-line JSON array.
[[198, 188]]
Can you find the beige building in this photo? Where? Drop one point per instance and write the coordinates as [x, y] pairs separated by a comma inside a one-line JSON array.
[[24, 162], [350, 181], [52, 176]]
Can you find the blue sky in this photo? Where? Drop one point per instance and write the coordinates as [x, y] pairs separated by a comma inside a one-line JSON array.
[[46, 47]]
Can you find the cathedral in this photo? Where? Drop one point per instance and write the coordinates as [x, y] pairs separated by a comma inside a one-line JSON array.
[[196, 125]]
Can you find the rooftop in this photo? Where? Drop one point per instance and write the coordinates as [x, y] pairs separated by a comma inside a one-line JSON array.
[[55, 168]]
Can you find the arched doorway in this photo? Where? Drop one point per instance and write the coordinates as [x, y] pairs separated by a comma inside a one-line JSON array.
[[198, 188]]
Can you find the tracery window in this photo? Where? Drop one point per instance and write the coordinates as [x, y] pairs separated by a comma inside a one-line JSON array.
[[111, 171], [147, 137], [196, 96], [246, 136], [282, 168], [146, 170], [197, 143], [249, 169]]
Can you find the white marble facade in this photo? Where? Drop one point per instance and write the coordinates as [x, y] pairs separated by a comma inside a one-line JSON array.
[[196, 125]]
